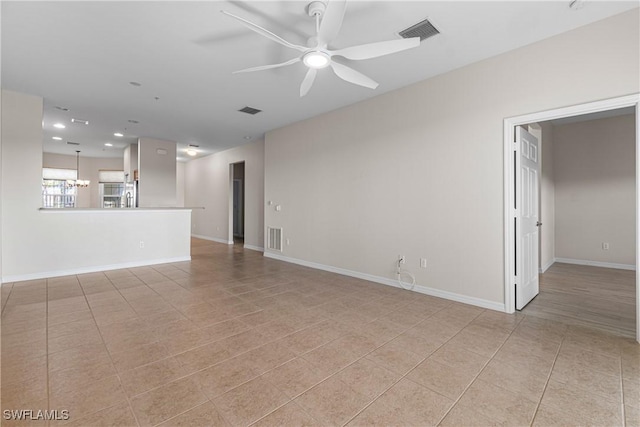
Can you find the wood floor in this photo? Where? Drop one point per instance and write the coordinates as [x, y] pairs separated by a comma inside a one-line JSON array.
[[602, 298]]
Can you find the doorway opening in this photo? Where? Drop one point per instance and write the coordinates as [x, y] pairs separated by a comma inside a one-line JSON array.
[[587, 221], [237, 202], [514, 219]]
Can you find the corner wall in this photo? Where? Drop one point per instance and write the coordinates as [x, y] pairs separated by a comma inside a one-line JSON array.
[[37, 244], [156, 173], [207, 184], [419, 171], [595, 181]]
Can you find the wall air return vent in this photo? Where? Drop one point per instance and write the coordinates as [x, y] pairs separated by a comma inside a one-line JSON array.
[[423, 29], [274, 238], [249, 110]]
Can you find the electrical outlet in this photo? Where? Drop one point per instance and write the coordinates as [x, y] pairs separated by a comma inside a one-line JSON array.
[[288, 242], [423, 263], [141, 244], [605, 246]]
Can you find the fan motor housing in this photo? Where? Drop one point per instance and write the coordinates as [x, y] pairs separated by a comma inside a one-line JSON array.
[[316, 8]]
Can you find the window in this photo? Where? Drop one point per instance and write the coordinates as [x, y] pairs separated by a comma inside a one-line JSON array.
[[111, 188], [56, 193]]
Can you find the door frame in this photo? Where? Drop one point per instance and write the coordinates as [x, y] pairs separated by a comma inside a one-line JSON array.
[[509, 183]]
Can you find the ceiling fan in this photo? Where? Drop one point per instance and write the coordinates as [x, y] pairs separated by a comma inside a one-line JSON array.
[[328, 19]]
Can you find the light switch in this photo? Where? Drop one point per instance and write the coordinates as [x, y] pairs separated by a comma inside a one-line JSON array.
[[278, 208]]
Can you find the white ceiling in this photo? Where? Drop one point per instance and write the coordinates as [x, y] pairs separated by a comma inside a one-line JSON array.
[[81, 55]]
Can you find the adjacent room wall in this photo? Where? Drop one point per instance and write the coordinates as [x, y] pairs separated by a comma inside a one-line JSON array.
[[130, 161], [89, 167], [207, 184], [419, 171], [547, 199], [38, 244], [156, 173], [180, 169], [595, 174]]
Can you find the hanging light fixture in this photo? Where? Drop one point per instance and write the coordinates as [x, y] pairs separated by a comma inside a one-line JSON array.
[[80, 183]]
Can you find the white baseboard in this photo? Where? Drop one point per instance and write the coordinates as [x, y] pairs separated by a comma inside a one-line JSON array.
[[254, 248], [92, 269], [391, 282], [213, 239], [596, 263], [547, 265]]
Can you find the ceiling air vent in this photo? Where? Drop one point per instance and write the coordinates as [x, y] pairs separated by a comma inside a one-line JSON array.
[[249, 110], [423, 29], [73, 143]]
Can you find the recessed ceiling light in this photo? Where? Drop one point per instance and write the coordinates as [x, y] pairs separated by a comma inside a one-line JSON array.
[[59, 126], [108, 144], [135, 84], [57, 138], [191, 152], [118, 134], [247, 137], [80, 121]]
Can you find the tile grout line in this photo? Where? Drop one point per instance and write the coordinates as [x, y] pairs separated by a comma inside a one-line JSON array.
[[624, 409], [422, 361], [47, 342], [546, 384], [8, 296], [324, 379], [368, 353], [135, 417]]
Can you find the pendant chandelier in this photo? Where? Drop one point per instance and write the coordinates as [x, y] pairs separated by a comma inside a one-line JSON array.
[[80, 183]]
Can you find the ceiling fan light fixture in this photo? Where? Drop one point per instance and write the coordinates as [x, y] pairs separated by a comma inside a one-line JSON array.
[[316, 59]]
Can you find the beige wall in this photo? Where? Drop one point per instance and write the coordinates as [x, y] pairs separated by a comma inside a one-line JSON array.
[[89, 167], [130, 161], [156, 173], [419, 171], [180, 169], [595, 190], [547, 198], [207, 184]]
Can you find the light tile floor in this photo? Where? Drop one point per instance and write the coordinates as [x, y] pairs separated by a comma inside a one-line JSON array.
[[233, 338]]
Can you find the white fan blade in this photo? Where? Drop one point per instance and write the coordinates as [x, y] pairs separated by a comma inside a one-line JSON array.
[[331, 22], [266, 33], [352, 76], [374, 50], [308, 81], [267, 67]]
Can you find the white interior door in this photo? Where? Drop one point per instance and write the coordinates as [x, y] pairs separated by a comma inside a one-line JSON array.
[[527, 224]]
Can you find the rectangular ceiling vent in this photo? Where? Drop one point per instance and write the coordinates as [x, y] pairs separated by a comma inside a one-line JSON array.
[[423, 29], [73, 143], [274, 238], [249, 110]]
